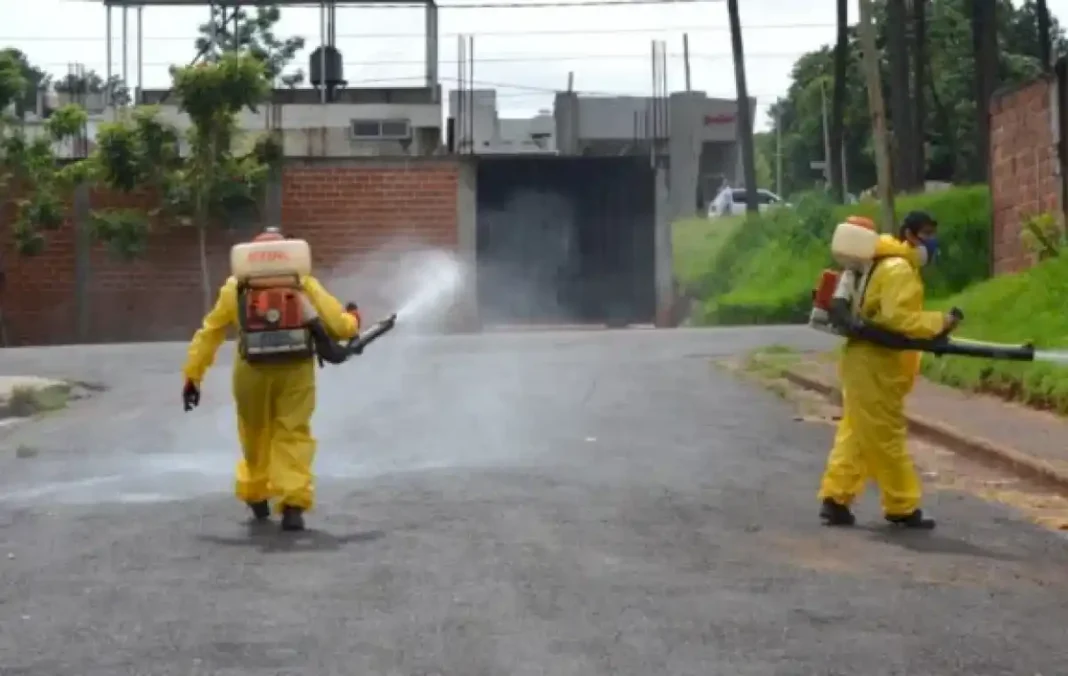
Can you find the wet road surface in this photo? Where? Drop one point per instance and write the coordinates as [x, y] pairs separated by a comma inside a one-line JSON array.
[[498, 505]]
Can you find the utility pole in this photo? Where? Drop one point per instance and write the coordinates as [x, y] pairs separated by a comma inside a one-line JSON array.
[[878, 114], [745, 118], [828, 157], [841, 60], [778, 152]]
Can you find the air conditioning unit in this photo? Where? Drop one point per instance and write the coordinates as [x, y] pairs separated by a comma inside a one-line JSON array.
[[381, 130]]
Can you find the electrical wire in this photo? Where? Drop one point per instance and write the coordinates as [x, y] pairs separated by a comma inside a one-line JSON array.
[[519, 59], [469, 5], [393, 36]]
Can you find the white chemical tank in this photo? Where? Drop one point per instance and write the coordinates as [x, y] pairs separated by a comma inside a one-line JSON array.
[[853, 246], [270, 259]]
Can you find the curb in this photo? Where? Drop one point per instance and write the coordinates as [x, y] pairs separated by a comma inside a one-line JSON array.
[[1020, 464]]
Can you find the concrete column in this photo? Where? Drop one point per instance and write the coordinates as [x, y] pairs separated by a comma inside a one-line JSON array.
[[467, 245], [685, 111], [566, 112], [431, 12], [663, 258]]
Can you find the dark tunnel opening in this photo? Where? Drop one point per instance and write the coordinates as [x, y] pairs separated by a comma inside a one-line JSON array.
[[566, 240]]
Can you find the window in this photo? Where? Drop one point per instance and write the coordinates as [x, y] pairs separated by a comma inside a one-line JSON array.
[[396, 129], [381, 129], [765, 197], [739, 197], [362, 128]]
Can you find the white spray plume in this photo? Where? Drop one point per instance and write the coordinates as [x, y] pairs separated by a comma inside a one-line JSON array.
[[420, 284]]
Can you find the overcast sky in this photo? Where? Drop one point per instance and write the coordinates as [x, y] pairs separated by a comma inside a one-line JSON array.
[[524, 53]]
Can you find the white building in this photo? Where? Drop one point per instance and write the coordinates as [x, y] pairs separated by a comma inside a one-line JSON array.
[[477, 127]]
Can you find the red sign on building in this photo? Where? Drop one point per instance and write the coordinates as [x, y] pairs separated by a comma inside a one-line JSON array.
[[722, 118]]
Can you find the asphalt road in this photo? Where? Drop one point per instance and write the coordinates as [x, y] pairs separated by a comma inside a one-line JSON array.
[[499, 505]]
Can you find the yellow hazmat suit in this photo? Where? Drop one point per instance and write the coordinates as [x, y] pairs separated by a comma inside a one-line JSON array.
[[274, 402], [870, 441]]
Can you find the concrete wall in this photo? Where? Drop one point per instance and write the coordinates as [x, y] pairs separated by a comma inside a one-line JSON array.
[[614, 117], [1024, 167], [701, 133], [480, 129], [353, 212]]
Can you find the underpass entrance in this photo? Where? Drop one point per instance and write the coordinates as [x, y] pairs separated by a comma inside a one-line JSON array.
[[566, 240]]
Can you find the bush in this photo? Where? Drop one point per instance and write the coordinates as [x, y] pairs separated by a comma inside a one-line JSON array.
[[764, 273], [1023, 307]]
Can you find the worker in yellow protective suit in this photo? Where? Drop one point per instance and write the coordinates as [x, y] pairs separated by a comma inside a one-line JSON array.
[[274, 402], [871, 436]]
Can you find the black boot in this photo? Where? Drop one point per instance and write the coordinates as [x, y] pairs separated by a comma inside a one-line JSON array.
[[914, 520], [261, 511], [292, 519], [834, 514]]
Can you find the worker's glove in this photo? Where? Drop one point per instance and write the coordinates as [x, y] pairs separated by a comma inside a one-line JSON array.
[[190, 395]]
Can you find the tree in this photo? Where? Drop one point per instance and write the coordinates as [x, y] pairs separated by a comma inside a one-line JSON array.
[[221, 179], [92, 83], [897, 49], [949, 93], [238, 32], [919, 87], [33, 80], [29, 171]]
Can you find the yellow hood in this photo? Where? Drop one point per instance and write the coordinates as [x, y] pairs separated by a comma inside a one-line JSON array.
[[890, 246]]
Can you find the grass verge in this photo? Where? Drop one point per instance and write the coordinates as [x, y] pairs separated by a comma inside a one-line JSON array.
[[764, 272], [695, 242], [1030, 306]]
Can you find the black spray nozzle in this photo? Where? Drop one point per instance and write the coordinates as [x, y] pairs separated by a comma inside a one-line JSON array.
[[372, 334]]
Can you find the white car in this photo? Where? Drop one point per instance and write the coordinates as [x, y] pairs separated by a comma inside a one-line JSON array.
[[739, 198]]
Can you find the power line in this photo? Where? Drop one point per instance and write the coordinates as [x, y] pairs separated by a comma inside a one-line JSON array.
[[518, 59], [372, 36]]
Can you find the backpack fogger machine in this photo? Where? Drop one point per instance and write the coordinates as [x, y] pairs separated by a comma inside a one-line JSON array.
[[279, 265], [837, 299]]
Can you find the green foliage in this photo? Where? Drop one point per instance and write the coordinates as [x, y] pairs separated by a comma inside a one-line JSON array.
[[138, 151], [696, 241], [123, 231], [1024, 307], [765, 271], [1043, 236], [28, 166], [211, 93], [238, 32], [950, 100], [215, 184], [33, 80], [68, 121], [12, 82]]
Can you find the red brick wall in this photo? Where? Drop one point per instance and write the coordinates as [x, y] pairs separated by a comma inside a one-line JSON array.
[[1024, 175], [346, 210]]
